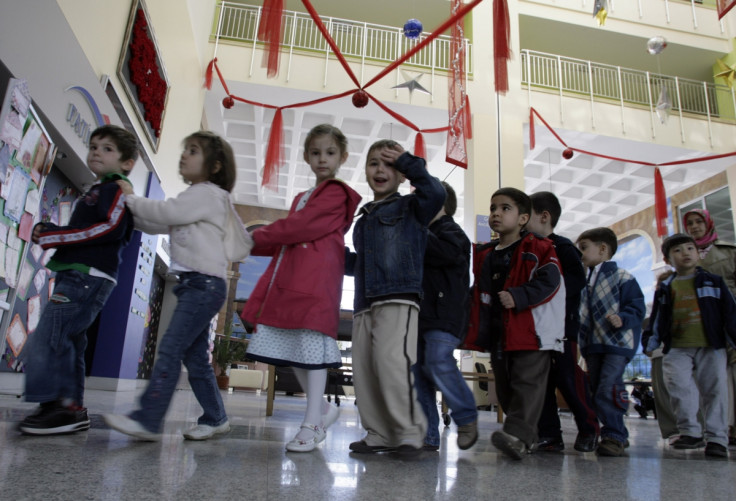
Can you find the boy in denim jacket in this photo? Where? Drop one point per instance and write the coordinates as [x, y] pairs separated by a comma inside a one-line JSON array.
[[390, 237], [694, 317]]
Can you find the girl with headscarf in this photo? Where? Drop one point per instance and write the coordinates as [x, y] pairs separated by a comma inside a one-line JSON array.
[[717, 257]]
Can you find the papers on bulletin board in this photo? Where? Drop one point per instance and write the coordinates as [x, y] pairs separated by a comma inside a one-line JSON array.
[[65, 212], [36, 251], [24, 279], [33, 201], [15, 201], [34, 312], [15, 108], [16, 335], [25, 228], [39, 280]]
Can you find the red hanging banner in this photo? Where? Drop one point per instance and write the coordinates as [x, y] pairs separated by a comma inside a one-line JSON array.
[[724, 6], [269, 31], [660, 203], [456, 152]]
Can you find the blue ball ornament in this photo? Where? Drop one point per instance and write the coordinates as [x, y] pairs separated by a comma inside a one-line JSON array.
[[412, 29]]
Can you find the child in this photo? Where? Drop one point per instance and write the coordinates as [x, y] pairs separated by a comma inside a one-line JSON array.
[[522, 317], [694, 317], [611, 314], [565, 373], [86, 263], [296, 303], [441, 327], [196, 220], [390, 239]]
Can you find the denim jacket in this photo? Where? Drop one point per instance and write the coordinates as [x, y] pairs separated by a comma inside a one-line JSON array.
[[390, 237]]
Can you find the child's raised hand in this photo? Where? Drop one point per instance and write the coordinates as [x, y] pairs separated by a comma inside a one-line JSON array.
[[506, 299], [615, 320], [125, 187], [390, 154], [36, 233]]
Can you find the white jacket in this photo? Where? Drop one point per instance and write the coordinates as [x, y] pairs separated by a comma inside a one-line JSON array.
[[196, 220]]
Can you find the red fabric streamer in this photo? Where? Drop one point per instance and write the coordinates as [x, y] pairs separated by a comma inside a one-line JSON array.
[[419, 149], [274, 152], [208, 75], [501, 49], [724, 6], [456, 151], [468, 119], [269, 31], [532, 135], [660, 203]]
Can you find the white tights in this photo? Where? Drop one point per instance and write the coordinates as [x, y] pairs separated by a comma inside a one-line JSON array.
[[313, 384]]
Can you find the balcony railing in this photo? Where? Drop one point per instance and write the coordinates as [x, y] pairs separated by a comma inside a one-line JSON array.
[[357, 41], [601, 82]]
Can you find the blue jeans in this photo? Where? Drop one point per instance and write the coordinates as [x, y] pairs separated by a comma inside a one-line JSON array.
[[436, 369], [54, 354], [610, 397], [199, 298]]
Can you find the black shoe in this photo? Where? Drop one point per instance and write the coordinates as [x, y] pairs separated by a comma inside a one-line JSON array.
[[549, 444], [362, 448], [610, 447], [509, 444], [716, 450], [688, 442], [55, 420], [585, 442]]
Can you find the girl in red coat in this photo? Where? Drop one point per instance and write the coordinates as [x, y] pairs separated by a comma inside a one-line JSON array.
[[295, 305]]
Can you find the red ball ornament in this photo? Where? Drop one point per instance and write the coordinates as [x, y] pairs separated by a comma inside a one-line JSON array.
[[360, 99], [567, 153], [228, 102]]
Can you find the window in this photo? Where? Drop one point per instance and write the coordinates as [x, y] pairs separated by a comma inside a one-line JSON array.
[[718, 203]]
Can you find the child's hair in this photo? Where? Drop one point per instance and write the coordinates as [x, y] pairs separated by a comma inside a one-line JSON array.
[[327, 130], [601, 236], [381, 144], [546, 201], [125, 141], [216, 151], [450, 199], [521, 199], [674, 240]]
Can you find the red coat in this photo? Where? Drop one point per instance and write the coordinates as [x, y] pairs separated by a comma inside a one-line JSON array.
[[306, 290]]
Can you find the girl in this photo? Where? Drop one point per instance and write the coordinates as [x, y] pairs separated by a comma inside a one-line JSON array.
[[296, 303], [197, 220]]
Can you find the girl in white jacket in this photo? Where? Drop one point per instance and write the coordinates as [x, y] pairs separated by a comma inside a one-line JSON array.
[[200, 224]]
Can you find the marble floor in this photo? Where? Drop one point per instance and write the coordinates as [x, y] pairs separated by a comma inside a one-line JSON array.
[[250, 463]]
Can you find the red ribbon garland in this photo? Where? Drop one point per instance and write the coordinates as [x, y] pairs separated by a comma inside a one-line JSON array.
[[660, 197]]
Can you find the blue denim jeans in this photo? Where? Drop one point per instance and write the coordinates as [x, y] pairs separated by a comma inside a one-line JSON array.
[[199, 298], [610, 397], [54, 354], [436, 369]]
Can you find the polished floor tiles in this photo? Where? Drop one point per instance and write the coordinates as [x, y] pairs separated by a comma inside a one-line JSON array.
[[250, 463]]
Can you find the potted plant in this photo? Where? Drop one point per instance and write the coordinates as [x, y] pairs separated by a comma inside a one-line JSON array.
[[224, 352]]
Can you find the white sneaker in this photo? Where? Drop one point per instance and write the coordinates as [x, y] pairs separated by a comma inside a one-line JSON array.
[[131, 427], [299, 445], [329, 417], [204, 431]]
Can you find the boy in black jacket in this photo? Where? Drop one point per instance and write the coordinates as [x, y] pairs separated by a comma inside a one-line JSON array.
[[88, 254], [565, 373], [441, 327]]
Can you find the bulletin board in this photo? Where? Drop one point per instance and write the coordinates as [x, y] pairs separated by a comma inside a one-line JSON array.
[[26, 156]]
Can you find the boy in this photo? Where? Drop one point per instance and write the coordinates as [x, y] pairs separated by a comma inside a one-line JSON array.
[[565, 373], [611, 313], [88, 254], [694, 317], [390, 238], [442, 325], [522, 314]]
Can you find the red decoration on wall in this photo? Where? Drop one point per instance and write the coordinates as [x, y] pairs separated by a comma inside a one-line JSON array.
[[724, 6], [660, 197], [145, 74]]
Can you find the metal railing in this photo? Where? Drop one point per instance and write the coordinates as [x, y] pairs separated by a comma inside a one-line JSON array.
[[357, 40], [598, 81]]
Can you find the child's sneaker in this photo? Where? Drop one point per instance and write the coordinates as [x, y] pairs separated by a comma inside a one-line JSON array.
[[610, 447], [129, 426], [52, 418], [508, 444], [205, 431], [688, 442], [713, 449]]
